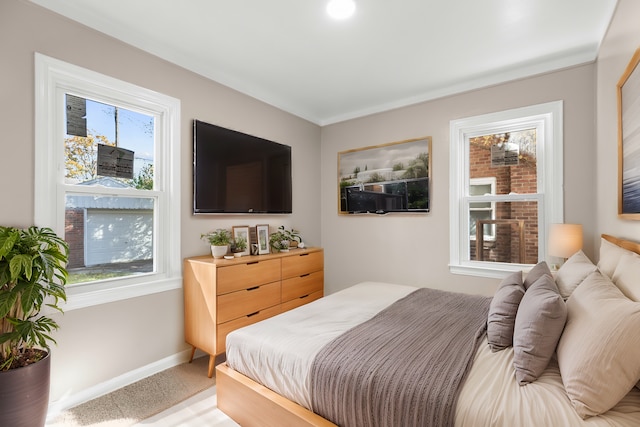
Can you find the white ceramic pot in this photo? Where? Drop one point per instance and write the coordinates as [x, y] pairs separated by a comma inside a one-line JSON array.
[[219, 251]]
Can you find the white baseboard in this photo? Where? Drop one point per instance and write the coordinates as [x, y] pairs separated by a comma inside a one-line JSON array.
[[67, 402]]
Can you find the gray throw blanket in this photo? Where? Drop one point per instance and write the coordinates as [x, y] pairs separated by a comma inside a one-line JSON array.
[[405, 366]]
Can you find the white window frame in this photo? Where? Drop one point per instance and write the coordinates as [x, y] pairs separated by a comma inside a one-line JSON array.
[[54, 78], [548, 120]]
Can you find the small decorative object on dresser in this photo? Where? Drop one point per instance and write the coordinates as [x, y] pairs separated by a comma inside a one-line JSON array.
[[279, 241], [262, 230], [240, 244], [293, 236], [219, 241]]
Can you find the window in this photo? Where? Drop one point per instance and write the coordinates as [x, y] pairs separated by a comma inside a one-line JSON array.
[[506, 176], [482, 210], [107, 158]]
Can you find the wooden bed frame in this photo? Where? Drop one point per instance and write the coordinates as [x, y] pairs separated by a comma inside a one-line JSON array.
[[237, 393], [625, 244], [251, 404]]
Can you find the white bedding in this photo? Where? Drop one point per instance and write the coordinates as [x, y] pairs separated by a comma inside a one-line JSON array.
[[491, 396], [278, 353]]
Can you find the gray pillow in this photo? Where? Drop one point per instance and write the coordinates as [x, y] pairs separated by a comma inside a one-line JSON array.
[[502, 311], [540, 269], [540, 320]]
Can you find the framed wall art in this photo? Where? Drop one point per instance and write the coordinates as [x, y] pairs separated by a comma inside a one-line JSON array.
[[262, 231], [629, 140], [387, 178]]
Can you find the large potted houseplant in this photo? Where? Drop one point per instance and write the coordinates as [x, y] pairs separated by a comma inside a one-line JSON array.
[[219, 241], [32, 275]]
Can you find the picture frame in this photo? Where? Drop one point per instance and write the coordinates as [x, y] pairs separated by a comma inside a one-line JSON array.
[[628, 90], [262, 230], [242, 231], [387, 178]]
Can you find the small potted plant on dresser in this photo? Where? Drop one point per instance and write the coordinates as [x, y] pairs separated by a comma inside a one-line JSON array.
[[219, 241], [293, 236], [238, 246], [32, 273], [281, 240]]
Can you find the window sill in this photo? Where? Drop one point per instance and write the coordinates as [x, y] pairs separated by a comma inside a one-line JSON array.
[[490, 270], [98, 293]]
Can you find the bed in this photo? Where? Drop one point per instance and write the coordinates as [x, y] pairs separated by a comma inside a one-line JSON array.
[[559, 349]]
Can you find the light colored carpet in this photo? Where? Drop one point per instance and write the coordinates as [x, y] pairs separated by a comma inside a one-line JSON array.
[[144, 399]]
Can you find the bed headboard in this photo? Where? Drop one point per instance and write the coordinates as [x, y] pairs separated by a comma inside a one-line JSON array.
[[625, 244]]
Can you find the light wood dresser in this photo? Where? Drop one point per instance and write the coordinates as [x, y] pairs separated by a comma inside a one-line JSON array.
[[223, 295]]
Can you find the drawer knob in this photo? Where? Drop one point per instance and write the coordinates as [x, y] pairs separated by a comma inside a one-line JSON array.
[[253, 289], [253, 314]]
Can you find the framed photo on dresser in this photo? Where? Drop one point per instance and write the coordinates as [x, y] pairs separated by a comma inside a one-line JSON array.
[[262, 230], [242, 232]]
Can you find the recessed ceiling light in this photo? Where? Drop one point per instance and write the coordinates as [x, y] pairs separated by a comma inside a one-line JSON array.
[[341, 9]]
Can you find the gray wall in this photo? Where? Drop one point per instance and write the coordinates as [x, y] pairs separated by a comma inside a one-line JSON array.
[[99, 343], [414, 249]]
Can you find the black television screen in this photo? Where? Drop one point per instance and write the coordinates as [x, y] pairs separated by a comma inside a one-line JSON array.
[[238, 173]]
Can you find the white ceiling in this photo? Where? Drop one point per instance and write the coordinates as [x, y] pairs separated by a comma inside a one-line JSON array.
[[290, 54]]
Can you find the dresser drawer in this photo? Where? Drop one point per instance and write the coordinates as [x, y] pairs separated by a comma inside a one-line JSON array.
[[223, 329], [242, 276], [300, 286], [247, 301], [290, 305], [297, 265]]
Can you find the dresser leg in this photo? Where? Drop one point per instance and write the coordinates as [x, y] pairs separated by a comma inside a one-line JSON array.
[[212, 365], [193, 351]]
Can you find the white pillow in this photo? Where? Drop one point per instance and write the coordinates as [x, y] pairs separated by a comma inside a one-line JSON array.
[[627, 275], [573, 272], [610, 255], [598, 353]]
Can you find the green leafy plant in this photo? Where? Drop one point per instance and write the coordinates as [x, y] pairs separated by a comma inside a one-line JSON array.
[[239, 244], [291, 235], [279, 241], [32, 274], [220, 237]]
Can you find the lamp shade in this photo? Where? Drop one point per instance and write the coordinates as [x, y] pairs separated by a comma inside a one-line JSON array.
[[565, 239]]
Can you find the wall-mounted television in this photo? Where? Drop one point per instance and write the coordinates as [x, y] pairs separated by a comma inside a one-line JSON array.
[[238, 173]]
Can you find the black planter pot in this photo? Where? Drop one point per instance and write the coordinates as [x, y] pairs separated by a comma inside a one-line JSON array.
[[24, 395]]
